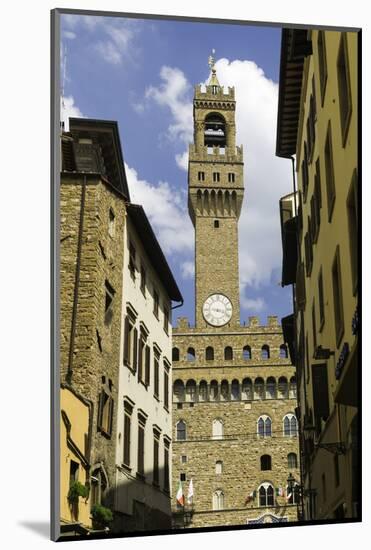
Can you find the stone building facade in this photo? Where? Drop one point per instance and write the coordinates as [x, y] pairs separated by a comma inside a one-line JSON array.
[[318, 123], [234, 388], [93, 192]]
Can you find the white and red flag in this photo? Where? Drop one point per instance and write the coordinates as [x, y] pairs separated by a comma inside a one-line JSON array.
[[190, 492]]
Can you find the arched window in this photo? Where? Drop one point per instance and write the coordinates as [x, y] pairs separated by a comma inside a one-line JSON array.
[[191, 355], [214, 390], [292, 461], [209, 353], [98, 486], [266, 495], [283, 351], [290, 425], [246, 389], [235, 390], [181, 431], [215, 130], [282, 388], [224, 391], [218, 467], [228, 353], [264, 426], [191, 391], [178, 391], [270, 388], [246, 352], [218, 500], [175, 354], [266, 462], [293, 494], [202, 392], [292, 393], [265, 352], [218, 428], [259, 388]]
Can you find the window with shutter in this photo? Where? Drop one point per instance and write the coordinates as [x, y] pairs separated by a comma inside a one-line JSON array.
[[147, 366]]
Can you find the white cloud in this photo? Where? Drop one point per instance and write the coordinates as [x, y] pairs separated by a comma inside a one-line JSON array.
[[166, 210], [69, 109], [174, 93], [69, 35], [188, 270], [182, 160], [253, 304], [116, 34]]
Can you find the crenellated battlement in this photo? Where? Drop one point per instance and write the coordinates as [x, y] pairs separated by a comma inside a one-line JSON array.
[[203, 153], [213, 92]]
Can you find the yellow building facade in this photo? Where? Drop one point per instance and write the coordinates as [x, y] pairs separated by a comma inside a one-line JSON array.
[[75, 435], [317, 122]]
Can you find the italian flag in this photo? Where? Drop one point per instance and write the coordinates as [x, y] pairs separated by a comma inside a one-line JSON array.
[[280, 492], [179, 494]]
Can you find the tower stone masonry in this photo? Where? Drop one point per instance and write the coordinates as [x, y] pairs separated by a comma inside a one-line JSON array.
[[234, 387]]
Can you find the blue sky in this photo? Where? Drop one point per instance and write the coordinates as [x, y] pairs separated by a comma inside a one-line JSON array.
[[142, 73]]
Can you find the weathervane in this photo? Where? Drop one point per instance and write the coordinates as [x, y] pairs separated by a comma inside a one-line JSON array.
[[212, 60]]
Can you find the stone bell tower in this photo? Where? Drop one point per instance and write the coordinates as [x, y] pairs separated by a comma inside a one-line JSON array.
[[215, 183]]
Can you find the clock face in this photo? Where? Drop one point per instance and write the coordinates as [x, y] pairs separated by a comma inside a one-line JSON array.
[[217, 310]]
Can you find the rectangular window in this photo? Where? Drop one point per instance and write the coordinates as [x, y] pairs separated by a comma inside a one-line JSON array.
[[216, 224], [322, 63], [105, 413], [330, 177], [166, 467], [201, 176], [74, 471], [143, 279], [156, 374], [311, 130], [111, 223], [231, 177], [184, 459], [321, 301], [166, 319], [130, 344], [324, 491], [314, 328], [147, 366], [304, 173], [128, 409], [336, 470], [338, 297], [308, 250], [345, 100], [141, 447], [108, 305], [166, 386], [183, 477], [132, 256], [156, 446], [216, 177], [141, 357], [156, 302], [320, 395], [352, 208]]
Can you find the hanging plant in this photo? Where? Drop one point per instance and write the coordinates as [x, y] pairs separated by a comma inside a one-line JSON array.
[[77, 490], [101, 515]]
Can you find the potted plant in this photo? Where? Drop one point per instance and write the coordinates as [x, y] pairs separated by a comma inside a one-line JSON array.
[[77, 490], [101, 515]]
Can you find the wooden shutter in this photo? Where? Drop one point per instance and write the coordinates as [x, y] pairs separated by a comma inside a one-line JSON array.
[[166, 389], [126, 341], [320, 393], [100, 409], [135, 351], [148, 365], [110, 415], [140, 359], [127, 439]]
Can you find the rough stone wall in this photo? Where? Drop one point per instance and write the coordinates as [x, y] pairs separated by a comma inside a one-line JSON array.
[[96, 344], [241, 448]]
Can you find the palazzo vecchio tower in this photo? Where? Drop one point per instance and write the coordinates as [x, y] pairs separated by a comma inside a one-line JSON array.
[[234, 389]]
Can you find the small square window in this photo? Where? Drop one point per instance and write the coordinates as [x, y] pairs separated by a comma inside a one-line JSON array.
[[216, 223], [183, 477], [184, 459]]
